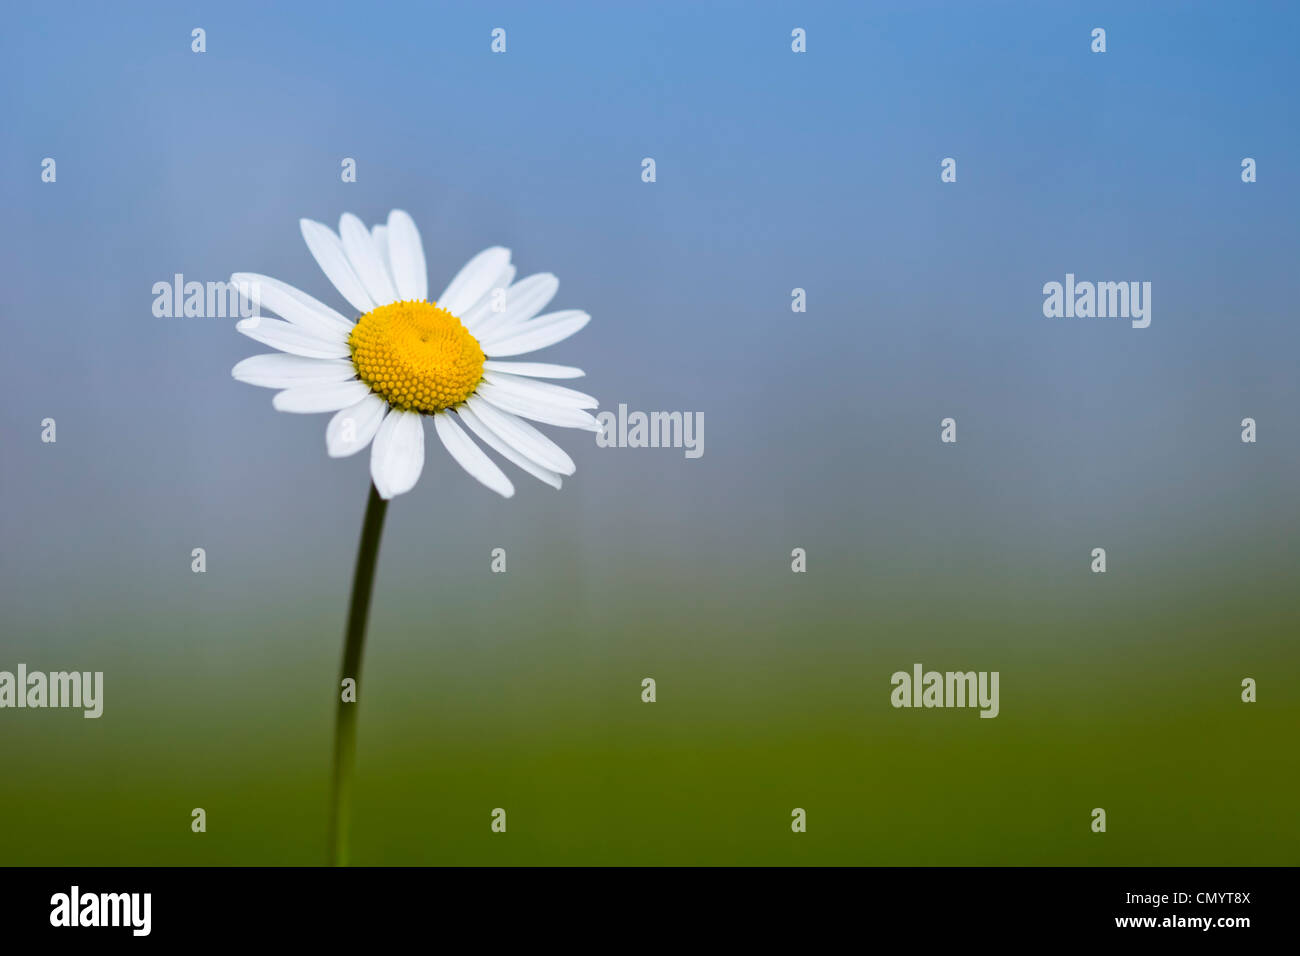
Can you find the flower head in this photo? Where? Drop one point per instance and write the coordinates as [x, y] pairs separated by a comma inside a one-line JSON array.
[[406, 358]]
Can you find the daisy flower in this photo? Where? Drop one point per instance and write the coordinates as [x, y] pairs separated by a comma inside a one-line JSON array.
[[402, 360], [406, 358]]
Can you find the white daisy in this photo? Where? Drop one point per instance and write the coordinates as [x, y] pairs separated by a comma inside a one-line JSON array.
[[406, 357]]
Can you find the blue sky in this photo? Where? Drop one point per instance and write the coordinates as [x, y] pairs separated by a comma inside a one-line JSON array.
[[775, 171]]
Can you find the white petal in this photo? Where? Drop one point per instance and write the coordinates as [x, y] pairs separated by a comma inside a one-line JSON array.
[[327, 249], [536, 334], [523, 437], [278, 370], [497, 444], [474, 280], [470, 457], [320, 398], [406, 257], [291, 338], [293, 305], [379, 235], [534, 369], [506, 279], [478, 313], [523, 300], [352, 428], [397, 455], [565, 417], [361, 252], [543, 392]]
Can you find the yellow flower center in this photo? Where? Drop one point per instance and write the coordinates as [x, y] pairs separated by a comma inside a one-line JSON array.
[[416, 356]]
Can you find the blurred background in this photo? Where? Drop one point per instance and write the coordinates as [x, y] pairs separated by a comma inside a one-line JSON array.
[[775, 170]]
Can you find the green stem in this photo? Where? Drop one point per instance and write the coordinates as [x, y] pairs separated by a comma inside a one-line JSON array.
[[345, 725]]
